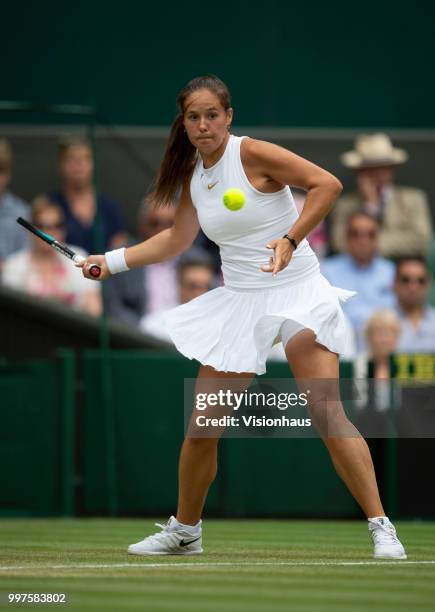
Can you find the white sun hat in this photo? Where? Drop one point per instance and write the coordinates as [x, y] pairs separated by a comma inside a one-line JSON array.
[[373, 150]]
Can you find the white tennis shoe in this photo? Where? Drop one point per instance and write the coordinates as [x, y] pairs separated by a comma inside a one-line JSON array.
[[171, 540], [386, 543]]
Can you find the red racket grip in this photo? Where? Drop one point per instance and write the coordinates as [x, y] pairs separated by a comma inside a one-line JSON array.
[[94, 270]]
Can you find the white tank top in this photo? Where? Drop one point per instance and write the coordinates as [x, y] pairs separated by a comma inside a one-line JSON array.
[[242, 235]]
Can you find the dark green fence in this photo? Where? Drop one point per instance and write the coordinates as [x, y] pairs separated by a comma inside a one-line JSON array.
[[130, 457], [122, 457], [37, 437]]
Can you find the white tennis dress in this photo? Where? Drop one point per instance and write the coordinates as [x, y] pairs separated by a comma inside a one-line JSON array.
[[233, 327]]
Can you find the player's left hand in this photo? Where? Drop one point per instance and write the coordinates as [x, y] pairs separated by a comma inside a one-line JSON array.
[[282, 254]]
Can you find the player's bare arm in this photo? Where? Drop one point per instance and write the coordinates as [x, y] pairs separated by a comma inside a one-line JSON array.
[[165, 245], [267, 160], [270, 167]]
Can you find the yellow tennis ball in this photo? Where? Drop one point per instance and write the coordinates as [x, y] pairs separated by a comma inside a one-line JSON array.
[[234, 199]]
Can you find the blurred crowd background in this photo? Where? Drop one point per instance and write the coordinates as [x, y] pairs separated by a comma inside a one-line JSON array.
[[378, 240], [349, 91], [87, 95]]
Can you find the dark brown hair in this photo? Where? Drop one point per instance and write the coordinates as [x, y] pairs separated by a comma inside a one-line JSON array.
[[70, 141], [404, 259], [180, 154]]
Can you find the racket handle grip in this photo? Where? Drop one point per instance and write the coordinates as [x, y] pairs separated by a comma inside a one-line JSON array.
[[94, 270]]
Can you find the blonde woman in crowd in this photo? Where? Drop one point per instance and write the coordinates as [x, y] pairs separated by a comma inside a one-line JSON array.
[[382, 333]]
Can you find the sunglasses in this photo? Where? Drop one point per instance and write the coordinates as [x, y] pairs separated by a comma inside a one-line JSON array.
[[50, 228], [354, 233], [407, 280]]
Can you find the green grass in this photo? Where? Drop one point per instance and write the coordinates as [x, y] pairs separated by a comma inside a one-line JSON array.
[[272, 567]]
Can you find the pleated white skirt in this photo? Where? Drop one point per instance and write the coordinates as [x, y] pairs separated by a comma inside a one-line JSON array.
[[234, 330]]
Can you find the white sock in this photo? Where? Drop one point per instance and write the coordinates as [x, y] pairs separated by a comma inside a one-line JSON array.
[[190, 528], [375, 518]]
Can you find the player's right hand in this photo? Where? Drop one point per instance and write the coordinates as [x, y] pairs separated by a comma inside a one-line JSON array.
[[100, 260]]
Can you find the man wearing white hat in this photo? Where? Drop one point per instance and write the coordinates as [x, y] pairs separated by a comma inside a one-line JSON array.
[[403, 212]]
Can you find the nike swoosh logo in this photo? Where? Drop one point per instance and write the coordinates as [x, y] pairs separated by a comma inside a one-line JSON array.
[[184, 543], [211, 185]]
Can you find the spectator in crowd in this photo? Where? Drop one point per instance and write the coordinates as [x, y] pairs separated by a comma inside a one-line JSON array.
[[152, 288], [318, 238], [431, 268], [403, 212], [42, 271], [383, 331], [160, 278], [361, 269], [195, 276], [12, 236], [77, 199], [411, 286]]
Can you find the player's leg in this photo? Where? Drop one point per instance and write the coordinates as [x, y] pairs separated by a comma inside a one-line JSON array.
[[182, 535], [310, 361], [198, 457], [351, 457]]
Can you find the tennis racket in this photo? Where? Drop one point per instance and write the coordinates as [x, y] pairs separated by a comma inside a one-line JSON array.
[[94, 270]]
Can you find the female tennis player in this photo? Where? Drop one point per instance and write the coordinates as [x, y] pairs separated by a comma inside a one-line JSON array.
[[272, 291]]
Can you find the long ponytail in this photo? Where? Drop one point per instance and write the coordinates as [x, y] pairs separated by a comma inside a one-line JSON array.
[[180, 154]]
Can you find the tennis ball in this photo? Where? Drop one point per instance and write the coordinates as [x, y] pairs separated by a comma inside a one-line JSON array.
[[234, 199]]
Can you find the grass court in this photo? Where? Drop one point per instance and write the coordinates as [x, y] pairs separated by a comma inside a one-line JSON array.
[[255, 565]]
